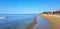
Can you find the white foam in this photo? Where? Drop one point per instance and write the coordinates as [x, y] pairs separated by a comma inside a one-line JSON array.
[[2, 17]]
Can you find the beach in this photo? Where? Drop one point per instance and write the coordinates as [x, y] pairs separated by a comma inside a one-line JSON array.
[[54, 20]]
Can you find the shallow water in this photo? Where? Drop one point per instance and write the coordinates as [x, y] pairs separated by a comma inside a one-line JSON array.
[[42, 23], [20, 21]]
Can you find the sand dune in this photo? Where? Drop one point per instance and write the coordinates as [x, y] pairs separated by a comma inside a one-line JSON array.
[[53, 19]]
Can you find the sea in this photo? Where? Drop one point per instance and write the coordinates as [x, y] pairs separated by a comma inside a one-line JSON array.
[[19, 21]]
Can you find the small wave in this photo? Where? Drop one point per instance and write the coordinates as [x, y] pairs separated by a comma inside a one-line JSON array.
[[2, 17]]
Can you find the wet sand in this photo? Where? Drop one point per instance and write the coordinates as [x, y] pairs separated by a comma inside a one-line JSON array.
[[33, 25], [39, 23], [53, 19]]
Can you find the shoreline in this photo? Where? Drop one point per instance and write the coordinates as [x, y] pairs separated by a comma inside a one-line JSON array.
[[33, 25]]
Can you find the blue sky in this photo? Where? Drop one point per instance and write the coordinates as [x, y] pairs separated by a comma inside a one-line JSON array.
[[28, 6]]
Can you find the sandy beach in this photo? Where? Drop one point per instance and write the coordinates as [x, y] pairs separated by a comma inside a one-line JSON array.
[[53, 19]]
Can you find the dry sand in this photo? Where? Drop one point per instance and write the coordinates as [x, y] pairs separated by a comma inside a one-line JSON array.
[[53, 19]]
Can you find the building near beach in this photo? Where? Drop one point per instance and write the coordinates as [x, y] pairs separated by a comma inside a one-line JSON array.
[[56, 12]]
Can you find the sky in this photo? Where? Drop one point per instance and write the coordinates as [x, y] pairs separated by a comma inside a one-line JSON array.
[[28, 6]]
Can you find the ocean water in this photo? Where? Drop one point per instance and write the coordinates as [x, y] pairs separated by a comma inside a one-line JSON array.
[[16, 21], [21, 21]]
